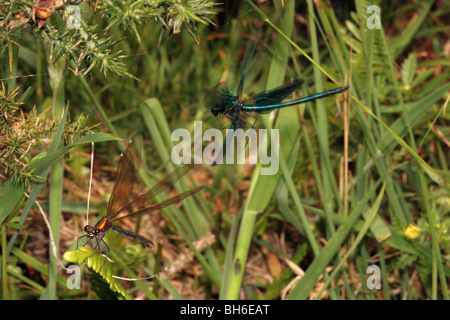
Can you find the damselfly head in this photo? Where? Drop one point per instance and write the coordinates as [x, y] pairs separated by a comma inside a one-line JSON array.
[[215, 111], [89, 230], [218, 98]]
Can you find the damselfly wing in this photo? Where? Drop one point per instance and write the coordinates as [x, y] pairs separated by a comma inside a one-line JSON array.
[[122, 204]]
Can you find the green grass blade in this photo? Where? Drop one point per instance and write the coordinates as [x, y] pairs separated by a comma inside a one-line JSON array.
[[307, 282], [432, 173], [370, 218], [263, 186], [57, 82], [195, 224]]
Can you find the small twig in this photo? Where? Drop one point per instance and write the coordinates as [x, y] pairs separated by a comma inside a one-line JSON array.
[[135, 279]]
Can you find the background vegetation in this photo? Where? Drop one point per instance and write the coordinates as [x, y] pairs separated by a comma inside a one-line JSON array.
[[363, 176]]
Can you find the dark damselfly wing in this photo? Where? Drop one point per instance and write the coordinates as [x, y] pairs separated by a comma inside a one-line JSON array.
[[122, 202], [144, 201], [275, 95], [220, 99], [126, 177], [160, 205], [246, 64]]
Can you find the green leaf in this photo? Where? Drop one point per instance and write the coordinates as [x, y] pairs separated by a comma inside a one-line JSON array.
[[43, 163], [379, 228], [97, 263], [409, 69], [414, 112], [14, 225]]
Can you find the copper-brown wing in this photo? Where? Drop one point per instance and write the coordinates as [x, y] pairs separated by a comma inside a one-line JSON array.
[[147, 199], [129, 163]]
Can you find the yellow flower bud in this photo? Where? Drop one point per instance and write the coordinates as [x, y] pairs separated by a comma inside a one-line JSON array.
[[412, 231]]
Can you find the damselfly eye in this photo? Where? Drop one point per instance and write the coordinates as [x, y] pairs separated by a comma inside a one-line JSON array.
[[88, 229]]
